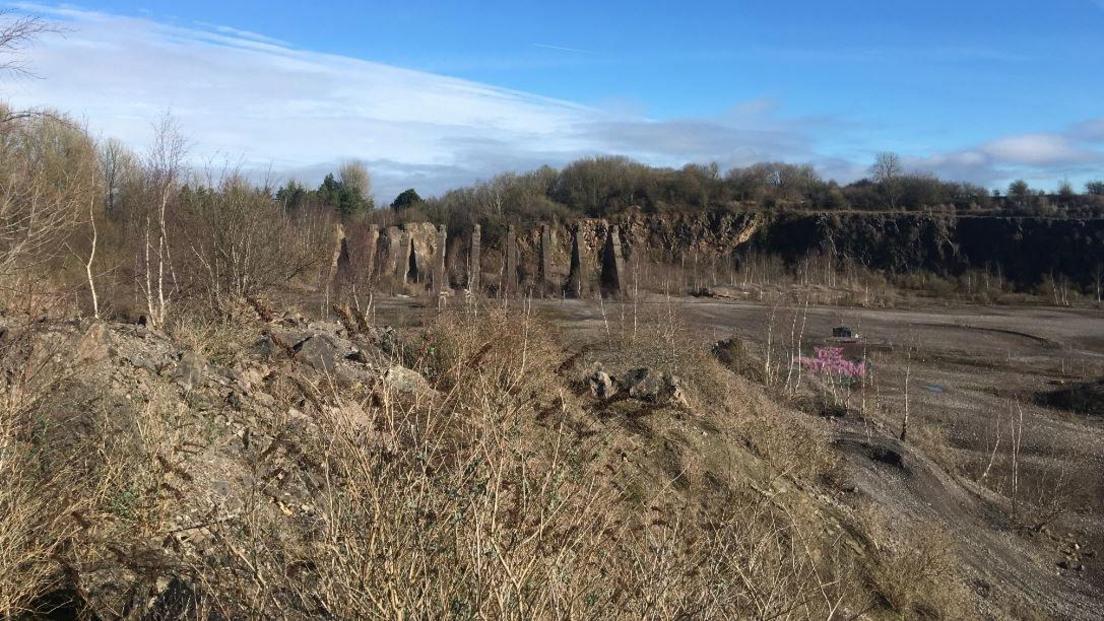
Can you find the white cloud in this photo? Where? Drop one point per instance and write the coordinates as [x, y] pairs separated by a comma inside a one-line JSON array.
[[561, 48], [1037, 150], [1043, 158], [251, 99], [248, 98]]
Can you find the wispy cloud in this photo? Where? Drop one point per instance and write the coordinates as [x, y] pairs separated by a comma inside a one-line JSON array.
[[1047, 157], [252, 99], [265, 103], [256, 100], [560, 48], [238, 32]]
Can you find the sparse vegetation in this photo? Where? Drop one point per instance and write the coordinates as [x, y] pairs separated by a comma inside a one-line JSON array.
[[497, 495], [203, 416]]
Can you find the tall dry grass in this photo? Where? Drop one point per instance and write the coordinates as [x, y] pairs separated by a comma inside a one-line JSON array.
[[500, 495]]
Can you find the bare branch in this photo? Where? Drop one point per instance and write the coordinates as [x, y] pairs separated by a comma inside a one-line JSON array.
[[16, 33]]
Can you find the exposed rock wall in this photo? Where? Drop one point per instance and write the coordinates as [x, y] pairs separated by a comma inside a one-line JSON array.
[[410, 253], [583, 256], [1022, 250]]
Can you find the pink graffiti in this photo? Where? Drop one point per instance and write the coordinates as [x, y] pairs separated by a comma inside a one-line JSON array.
[[830, 361]]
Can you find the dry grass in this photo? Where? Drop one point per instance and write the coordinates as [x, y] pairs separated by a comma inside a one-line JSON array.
[[916, 573], [503, 496], [42, 488], [219, 338]]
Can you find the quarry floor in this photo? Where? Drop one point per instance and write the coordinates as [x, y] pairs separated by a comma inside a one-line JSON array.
[[972, 373]]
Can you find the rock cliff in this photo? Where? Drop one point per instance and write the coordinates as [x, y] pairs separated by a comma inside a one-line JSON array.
[[583, 255]]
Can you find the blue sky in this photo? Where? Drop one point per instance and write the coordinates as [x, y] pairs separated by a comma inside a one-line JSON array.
[[438, 94]]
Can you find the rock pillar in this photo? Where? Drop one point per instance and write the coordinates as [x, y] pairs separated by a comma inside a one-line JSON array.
[[369, 252], [613, 264], [340, 251], [576, 276], [510, 276], [545, 258], [474, 260], [440, 271], [407, 263], [389, 252]]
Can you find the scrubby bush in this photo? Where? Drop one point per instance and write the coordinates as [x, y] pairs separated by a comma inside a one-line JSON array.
[[49, 186], [235, 242]]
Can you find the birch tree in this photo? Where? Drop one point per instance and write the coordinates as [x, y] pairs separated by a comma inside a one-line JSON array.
[[164, 168]]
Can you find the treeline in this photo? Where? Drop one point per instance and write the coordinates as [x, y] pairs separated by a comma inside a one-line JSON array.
[[140, 234], [347, 194], [607, 186]]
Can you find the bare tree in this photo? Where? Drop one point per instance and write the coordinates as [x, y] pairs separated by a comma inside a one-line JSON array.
[[16, 33], [887, 171], [117, 165], [238, 243], [47, 172], [164, 168], [887, 166], [908, 375], [354, 175], [93, 242]]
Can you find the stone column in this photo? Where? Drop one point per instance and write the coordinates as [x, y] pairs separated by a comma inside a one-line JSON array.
[[510, 277], [474, 260], [340, 249], [613, 263], [545, 258], [576, 276], [388, 252], [402, 265], [369, 251], [440, 272]]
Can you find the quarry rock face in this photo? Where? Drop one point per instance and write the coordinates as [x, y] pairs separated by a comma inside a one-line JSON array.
[[424, 247], [1022, 250], [510, 262], [390, 251], [546, 273], [613, 263], [411, 253], [440, 271], [579, 257], [575, 277]]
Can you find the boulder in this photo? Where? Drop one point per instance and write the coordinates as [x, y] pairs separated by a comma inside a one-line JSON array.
[[652, 386], [601, 384], [320, 351], [190, 371], [264, 347], [93, 345], [407, 382]]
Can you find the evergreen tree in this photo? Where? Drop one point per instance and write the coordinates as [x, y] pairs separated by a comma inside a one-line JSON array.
[[346, 200], [408, 198]]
